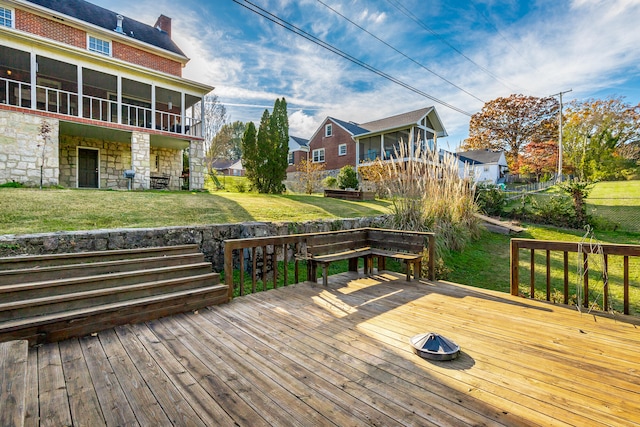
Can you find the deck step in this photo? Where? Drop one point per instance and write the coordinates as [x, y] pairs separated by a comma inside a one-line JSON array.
[[67, 271], [31, 261], [23, 291], [13, 382], [46, 298], [84, 321], [59, 303]]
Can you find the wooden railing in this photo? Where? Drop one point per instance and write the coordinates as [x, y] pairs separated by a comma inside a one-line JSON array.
[[607, 250], [288, 249]]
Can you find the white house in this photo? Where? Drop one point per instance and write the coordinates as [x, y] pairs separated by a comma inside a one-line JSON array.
[[483, 166]]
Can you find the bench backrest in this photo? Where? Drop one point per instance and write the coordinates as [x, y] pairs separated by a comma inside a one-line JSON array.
[[394, 240], [339, 241], [345, 240]]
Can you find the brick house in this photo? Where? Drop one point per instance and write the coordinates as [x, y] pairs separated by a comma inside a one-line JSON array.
[[109, 88], [338, 143]]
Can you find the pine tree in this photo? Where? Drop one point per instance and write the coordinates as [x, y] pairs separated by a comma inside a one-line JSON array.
[[249, 151]]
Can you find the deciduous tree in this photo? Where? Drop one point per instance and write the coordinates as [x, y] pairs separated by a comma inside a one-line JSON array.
[[539, 158], [310, 174], [599, 137], [511, 123]]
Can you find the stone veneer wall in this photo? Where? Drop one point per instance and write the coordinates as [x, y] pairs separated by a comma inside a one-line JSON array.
[[21, 149], [170, 163], [115, 158], [140, 149], [210, 238], [196, 165]]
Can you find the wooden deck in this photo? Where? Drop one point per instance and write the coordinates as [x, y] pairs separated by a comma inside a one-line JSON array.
[[308, 356]]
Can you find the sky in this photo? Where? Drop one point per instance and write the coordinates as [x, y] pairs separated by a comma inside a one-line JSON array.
[[454, 55]]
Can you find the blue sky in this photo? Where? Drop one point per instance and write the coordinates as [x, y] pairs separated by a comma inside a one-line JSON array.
[[459, 52]]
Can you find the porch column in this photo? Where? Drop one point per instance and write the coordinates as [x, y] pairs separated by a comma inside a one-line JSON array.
[[34, 79], [140, 162], [80, 92], [196, 165]]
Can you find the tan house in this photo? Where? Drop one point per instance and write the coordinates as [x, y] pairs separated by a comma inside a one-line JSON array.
[[108, 89], [338, 143]]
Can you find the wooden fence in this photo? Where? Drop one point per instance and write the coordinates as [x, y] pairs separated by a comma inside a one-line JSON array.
[[587, 251]]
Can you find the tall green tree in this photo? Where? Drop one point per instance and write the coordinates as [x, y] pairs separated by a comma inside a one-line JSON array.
[[249, 151], [227, 143], [266, 166]]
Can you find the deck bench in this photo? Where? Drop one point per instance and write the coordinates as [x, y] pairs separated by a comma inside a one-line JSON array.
[[366, 243]]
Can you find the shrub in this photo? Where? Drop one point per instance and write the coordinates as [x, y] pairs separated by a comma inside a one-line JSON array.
[[330, 182], [490, 199], [347, 178], [12, 184]]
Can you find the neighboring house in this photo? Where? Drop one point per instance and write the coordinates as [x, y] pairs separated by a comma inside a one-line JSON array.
[[484, 166], [110, 89], [228, 167], [298, 150], [338, 143]]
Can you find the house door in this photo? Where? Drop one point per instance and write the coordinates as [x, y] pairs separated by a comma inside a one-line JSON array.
[[87, 168]]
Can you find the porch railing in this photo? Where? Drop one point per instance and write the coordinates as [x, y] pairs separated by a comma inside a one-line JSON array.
[[16, 93], [604, 250], [241, 253]]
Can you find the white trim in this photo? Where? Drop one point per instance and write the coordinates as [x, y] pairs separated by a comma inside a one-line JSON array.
[[342, 152], [78, 148], [109, 42], [13, 16], [313, 155], [328, 130]]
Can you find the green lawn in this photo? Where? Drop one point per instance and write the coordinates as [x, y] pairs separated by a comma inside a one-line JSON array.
[[33, 211]]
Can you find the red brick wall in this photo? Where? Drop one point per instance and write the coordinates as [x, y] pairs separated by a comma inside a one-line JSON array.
[[146, 59], [297, 158], [330, 145], [60, 32], [43, 27]]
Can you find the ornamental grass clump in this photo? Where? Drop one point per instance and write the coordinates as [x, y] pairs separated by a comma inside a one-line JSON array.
[[428, 194]]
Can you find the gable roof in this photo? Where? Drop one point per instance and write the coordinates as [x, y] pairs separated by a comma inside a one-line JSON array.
[[107, 19], [352, 128], [399, 120], [480, 156], [300, 141]]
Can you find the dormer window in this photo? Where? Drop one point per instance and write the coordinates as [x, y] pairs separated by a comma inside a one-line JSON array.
[[99, 45], [6, 17]]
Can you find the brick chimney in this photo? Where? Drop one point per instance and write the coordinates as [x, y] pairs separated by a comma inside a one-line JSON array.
[[164, 23]]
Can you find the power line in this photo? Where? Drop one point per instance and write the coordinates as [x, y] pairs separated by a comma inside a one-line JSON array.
[[290, 27], [410, 15], [401, 53]]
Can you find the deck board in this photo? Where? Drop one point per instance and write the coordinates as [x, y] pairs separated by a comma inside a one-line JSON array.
[[309, 355]]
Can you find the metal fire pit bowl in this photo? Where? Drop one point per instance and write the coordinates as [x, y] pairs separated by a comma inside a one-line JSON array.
[[434, 347]]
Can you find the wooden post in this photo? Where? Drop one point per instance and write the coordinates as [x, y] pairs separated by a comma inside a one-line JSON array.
[[254, 264], [532, 278], [432, 257], [285, 260], [566, 277], [241, 272], [626, 284], [548, 275], [515, 261], [585, 276], [605, 291], [228, 270]]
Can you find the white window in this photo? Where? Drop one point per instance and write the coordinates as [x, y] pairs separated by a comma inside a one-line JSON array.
[[99, 45], [342, 149], [318, 155], [486, 168], [328, 130], [291, 158], [6, 17]]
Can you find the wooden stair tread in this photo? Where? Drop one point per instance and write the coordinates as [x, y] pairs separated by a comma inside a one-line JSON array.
[[97, 278], [16, 260], [13, 305], [71, 314], [7, 274]]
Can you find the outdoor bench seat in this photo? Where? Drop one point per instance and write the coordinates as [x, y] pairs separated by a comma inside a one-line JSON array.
[[368, 243]]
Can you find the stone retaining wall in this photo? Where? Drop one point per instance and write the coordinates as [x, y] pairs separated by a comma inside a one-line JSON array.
[[210, 238]]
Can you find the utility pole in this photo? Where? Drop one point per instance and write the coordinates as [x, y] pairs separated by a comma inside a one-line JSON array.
[[559, 177]]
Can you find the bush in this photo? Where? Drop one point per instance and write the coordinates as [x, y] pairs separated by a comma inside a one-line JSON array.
[[347, 178], [12, 184], [490, 199], [330, 182]]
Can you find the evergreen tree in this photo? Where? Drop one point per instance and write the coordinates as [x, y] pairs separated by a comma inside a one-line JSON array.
[[249, 150], [266, 165]]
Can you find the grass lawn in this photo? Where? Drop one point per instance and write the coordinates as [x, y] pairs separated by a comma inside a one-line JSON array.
[[33, 211]]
